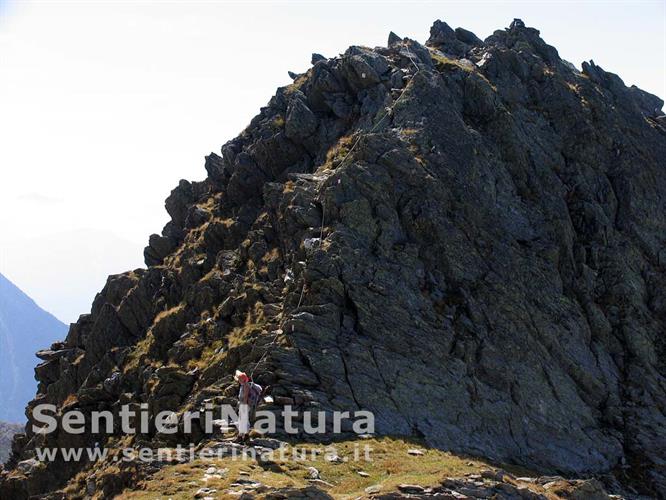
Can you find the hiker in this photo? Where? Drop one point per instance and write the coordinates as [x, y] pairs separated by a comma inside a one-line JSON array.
[[248, 398]]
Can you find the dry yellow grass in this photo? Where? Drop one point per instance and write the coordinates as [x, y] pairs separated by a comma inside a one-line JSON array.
[[288, 187], [443, 62], [339, 152], [209, 356], [389, 464], [298, 83]]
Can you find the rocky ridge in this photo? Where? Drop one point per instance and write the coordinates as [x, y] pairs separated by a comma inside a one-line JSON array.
[[465, 237]]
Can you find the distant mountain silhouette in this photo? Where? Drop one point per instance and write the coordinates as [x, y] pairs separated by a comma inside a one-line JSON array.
[[7, 432], [24, 329]]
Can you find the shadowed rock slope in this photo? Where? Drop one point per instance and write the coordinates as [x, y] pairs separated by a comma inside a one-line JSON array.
[[466, 238]]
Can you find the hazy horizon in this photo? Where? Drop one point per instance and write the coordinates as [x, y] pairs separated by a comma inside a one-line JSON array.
[[107, 105]]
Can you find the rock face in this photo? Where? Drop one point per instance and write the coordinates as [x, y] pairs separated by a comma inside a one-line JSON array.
[[466, 238], [24, 328]]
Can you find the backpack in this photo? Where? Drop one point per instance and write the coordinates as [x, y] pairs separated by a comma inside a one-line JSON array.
[[255, 394]]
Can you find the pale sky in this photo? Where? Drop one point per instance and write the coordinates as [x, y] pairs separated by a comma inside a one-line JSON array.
[[104, 106]]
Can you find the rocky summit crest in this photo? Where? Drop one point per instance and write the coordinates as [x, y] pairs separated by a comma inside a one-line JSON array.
[[464, 237]]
